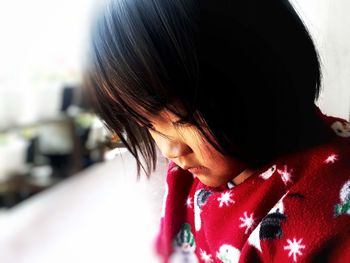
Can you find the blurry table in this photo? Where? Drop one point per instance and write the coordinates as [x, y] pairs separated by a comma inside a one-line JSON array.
[[100, 215], [22, 186]]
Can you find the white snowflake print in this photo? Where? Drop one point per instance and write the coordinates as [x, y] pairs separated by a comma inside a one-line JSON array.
[[294, 248], [285, 174], [331, 158], [189, 202], [225, 198], [207, 258], [247, 222]]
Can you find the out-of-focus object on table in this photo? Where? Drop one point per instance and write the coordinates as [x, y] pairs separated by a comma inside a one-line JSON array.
[[36, 156], [12, 155], [100, 215]]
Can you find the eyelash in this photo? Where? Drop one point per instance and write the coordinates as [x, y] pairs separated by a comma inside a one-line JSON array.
[[181, 123], [149, 126]]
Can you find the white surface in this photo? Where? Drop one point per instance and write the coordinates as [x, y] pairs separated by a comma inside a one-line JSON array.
[[100, 215], [329, 22]]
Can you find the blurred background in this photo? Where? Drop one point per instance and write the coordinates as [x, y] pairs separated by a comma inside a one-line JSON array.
[[47, 131], [68, 189]]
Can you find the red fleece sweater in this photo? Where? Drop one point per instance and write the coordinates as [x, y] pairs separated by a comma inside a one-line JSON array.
[[296, 209]]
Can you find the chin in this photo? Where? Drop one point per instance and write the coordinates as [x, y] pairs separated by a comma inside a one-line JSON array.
[[212, 182]]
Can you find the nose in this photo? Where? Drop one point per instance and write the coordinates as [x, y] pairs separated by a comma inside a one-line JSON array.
[[175, 149]]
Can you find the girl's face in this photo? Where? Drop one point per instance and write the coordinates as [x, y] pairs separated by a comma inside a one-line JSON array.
[[184, 145]]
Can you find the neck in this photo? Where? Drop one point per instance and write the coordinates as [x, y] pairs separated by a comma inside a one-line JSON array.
[[243, 176]]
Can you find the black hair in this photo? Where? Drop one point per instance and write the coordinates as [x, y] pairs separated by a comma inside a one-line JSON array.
[[246, 73]]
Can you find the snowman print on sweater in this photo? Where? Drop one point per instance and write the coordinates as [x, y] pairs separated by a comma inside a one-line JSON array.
[[269, 172], [344, 206], [184, 246], [270, 226], [200, 198], [342, 129], [228, 254]]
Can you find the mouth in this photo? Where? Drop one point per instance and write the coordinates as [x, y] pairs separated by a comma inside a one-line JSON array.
[[197, 169]]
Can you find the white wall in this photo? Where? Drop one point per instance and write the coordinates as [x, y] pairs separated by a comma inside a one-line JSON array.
[[329, 23], [42, 49]]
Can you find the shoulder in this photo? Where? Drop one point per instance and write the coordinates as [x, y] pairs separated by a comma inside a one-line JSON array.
[[318, 204], [311, 221], [313, 217]]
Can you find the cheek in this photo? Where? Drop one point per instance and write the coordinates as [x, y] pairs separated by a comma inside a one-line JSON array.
[[158, 141], [209, 154], [213, 159], [205, 150], [155, 138]]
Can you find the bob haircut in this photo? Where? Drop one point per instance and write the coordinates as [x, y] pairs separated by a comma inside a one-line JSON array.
[[245, 73]]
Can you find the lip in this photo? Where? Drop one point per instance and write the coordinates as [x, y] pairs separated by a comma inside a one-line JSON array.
[[196, 169], [186, 167]]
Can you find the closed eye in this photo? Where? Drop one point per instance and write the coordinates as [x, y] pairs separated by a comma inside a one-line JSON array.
[[181, 123], [151, 127]]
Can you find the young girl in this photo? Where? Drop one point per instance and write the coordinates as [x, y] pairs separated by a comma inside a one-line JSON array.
[[226, 90]]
